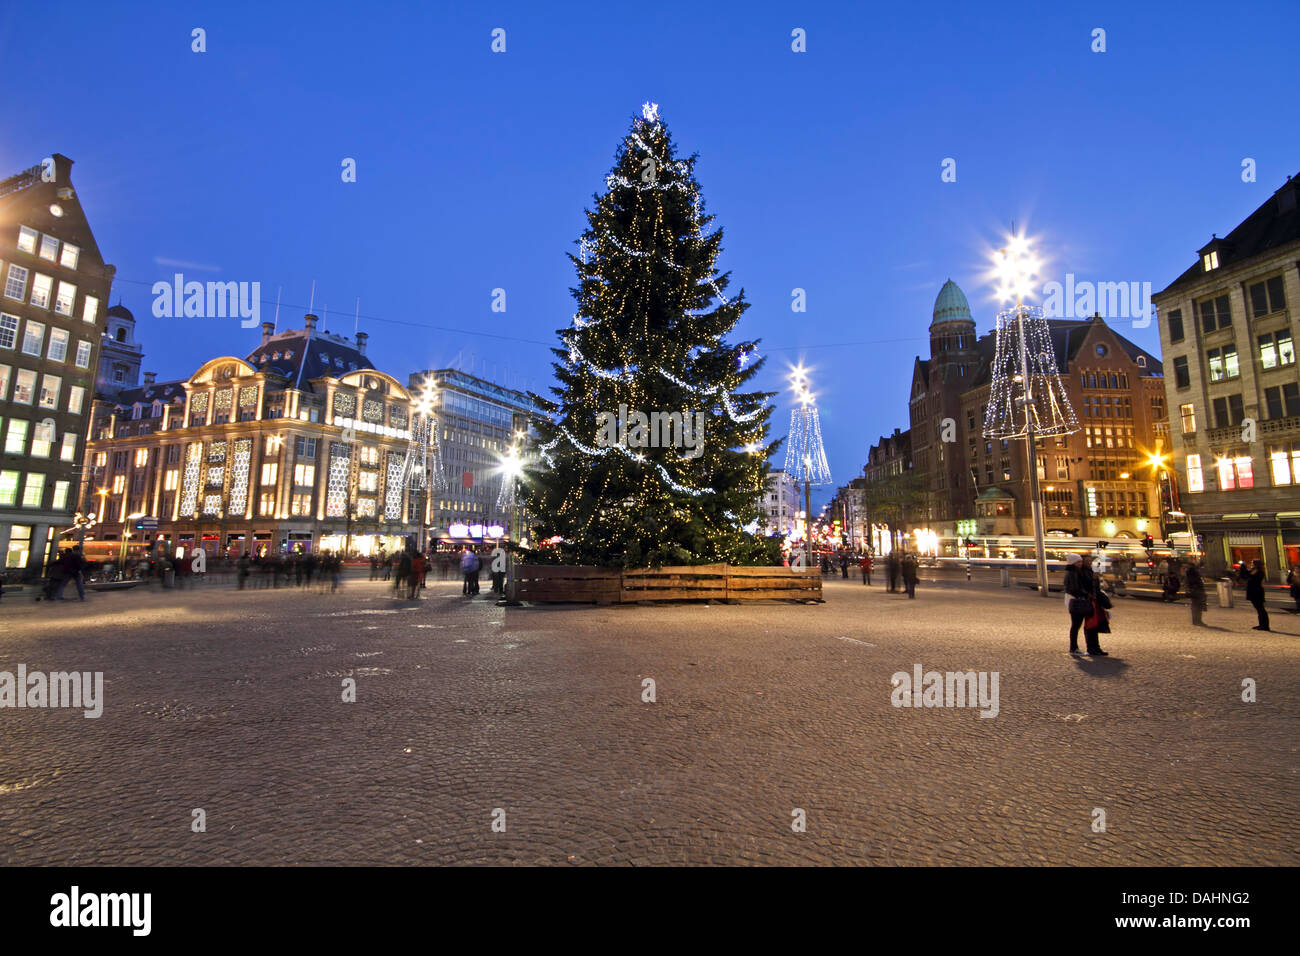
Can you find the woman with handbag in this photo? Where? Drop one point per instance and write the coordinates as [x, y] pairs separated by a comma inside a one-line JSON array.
[[1084, 601]]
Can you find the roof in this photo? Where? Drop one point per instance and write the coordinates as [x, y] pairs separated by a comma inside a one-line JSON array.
[[148, 394], [993, 491], [951, 305], [296, 355], [121, 312], [1068, 336], [1275, 223]]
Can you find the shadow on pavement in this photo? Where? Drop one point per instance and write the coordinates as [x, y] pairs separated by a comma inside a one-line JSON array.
[[1101, 666]]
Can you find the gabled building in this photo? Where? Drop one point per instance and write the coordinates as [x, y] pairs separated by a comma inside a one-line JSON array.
[[53, 286], [1228, 329]]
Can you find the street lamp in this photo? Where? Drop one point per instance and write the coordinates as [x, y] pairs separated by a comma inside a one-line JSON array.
[[1016, 267], [511, 468]]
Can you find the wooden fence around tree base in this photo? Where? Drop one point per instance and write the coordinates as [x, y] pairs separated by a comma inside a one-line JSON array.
[[557, 584]]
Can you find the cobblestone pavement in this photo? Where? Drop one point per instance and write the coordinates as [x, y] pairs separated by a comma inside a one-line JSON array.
[[231, 702]]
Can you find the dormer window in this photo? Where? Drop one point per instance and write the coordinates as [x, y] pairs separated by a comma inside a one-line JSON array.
[[1142, 361], [1211, 260]]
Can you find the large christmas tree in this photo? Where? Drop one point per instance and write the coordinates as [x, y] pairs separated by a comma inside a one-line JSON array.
[[653, 455]]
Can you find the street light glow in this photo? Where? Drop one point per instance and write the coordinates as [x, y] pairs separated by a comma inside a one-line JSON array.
[[1015, 269]]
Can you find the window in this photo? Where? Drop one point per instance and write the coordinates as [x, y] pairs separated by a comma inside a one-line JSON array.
[[1195, 480], [1235, 473], [1181, 377], [141, 457], [304, 475], [60, 495], [1215, 314], [16, 437], [1267, 297], [1228, 411], [368, 481], [1210, 260], [24, 386], [83, 354], [70, 256], [266, 504], [68, 450], [4, 381], [1176, 325], [89, 309], [33, 489], [8, 331], [41, 287], [1282, 400], [27, 239], [42, 439], [16, 282], [119, 483], [9, 496], [1223, 363], [1188, 414], [300, 504], [67, 296], [49, 248], [304, 447], [1285, 463], [33, 338], [1276, 348], [50, 387], [269, 471], [58, 348], [75, 396]]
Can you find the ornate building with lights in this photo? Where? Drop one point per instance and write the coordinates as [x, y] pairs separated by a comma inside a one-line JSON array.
[[299, 446], [1098, 482], [1228, 331]]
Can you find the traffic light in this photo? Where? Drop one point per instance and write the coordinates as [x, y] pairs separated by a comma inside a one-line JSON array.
[[1148, 542]]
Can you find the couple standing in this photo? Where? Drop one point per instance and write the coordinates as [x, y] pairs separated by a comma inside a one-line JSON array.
[[1087, 605]]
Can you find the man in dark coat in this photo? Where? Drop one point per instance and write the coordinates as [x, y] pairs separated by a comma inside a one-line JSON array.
[[1083, 590], [1255, 592], [909, 574], [891, 569], [1195, 592]]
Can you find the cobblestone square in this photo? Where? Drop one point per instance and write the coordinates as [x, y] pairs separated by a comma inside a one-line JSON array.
[[232, 702]]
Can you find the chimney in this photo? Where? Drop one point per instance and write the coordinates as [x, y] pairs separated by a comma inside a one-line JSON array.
[[62, 169], [362, 338], [309, 322], [268, 329], [150, 377]]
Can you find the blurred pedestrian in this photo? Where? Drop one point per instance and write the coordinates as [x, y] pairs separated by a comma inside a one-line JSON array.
[[891, 569], [865, 564], [844, 565], [469, 569], [1293, 579], [1255, 592], [1195, 592], [909, 573], [417, 575]]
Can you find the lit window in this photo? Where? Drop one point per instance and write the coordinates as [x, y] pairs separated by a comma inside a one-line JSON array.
[[4, 381], [33, 338], [119, 482], [8, 495], [75, 396], [58, 349], [304, 475], [68, 451], [24, 386], [42, 285], [16, 437], [83, 354], [33, 490], [269, 471], [49, 248], [70, 256], [67, 296], [170, 479], [89, 309], [16, 282], [1245, 472], [50, 387], [141, 457], [27, 239], [1195, 480], [1189, 418], [1210, 260], [60, 495]]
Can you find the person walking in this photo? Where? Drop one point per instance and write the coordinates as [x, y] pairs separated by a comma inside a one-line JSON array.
[[416, 576], [469, 570], [1255, 592], [909, 574], [1084, 603], [244, 563], [1293, 579], [865, 564], [1195, 592], [844, 565], [403, 571], [891, 569]]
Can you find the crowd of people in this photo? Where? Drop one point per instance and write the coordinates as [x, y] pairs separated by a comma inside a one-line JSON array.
[[409, 569]]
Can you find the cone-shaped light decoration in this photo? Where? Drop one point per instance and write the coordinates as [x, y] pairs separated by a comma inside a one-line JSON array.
[[805, 455]]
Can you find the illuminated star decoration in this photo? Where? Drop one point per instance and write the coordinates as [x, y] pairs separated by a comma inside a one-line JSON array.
[[650, 111]]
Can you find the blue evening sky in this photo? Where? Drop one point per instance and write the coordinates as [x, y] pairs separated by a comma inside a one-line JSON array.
[[473, 168]]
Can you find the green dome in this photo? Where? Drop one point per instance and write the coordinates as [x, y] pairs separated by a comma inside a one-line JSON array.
[[951, 305]]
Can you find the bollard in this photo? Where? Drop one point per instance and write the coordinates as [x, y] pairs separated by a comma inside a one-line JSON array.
[[1225, 592], [1006, 577]]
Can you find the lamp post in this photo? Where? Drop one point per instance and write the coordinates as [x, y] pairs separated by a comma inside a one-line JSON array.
[[511, 468], [1016, 268]]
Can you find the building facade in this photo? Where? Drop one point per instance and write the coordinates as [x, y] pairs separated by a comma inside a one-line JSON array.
[[120, 355], [55, 284], [1097, 482], [781, 507], [478, 423], [299, 446], [1228, 330]]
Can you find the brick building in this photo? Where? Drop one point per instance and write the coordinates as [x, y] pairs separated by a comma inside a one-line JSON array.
[[55, 283], [1228, 330]]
